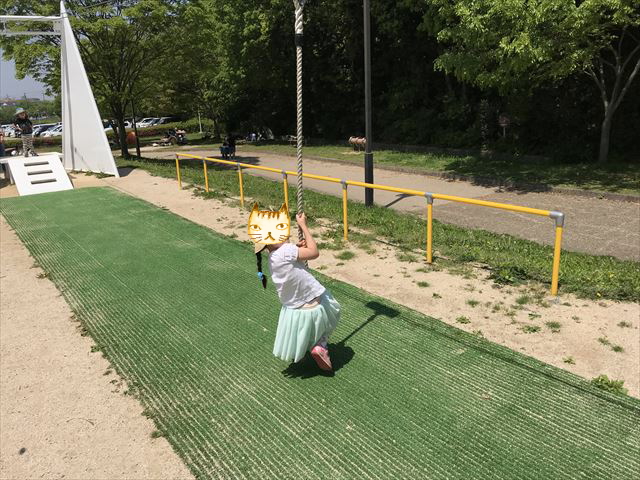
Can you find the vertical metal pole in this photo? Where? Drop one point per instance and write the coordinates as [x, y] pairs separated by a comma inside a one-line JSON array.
[[178, 172], [285, 182], [556, 261], [206, 175], [368, 154], [241, 183], [199, 122], [429, 228], [345, 218], [135, 128], [557, 250]]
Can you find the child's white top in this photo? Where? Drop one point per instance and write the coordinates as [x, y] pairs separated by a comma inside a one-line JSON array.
[[295, 285]]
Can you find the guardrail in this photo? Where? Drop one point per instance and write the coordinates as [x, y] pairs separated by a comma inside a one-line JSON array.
[[558, 217]]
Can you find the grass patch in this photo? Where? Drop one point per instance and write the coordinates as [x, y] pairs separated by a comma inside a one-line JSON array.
[[436, 295], [422, 284], [617, 348], [614, 177], [463, 319], [345, 255], [523, 299], [473, 303], [407, 257], [625, 324], [614, 386], [570, 360], [553, 326], [604, 341], [510, 259], [530, 328]]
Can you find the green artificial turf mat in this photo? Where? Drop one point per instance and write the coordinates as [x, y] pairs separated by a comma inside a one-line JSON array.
[[180, 313]]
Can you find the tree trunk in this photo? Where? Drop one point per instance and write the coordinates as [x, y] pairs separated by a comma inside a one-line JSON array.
[[605, 135], [114, 127], [216, 128], [122, 135]]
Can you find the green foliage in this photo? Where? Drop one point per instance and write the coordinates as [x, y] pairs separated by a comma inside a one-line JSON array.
[[516, 46], [234, 62], [530, 328], [614, 386], [345, 255], [553, 326], [36, 108]]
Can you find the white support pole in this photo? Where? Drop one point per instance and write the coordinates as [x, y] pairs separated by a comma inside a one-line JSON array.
[[30, 34], [22, 18], [67, 141]]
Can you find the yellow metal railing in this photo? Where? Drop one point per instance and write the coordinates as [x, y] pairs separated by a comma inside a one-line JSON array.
[[558, 217]]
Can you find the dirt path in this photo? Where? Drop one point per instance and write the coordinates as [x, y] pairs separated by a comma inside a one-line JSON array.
[[62, 409], [594, 225]]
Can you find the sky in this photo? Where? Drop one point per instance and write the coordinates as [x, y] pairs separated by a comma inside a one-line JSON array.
[[11, 87]]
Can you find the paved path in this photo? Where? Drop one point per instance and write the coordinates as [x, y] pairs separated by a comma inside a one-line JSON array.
[[593, 225]]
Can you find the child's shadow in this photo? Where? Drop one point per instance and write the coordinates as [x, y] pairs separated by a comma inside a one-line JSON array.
[[340, 353]]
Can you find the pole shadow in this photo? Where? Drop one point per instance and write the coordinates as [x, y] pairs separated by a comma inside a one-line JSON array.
[[341, 354], [399, 197]]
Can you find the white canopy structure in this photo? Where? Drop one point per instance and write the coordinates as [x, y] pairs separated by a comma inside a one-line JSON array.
[[85, 144]]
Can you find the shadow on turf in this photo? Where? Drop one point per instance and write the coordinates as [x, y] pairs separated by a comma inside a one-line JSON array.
[[340, 353]]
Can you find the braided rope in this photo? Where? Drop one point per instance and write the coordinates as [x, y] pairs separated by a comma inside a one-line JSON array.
[[299, 138]]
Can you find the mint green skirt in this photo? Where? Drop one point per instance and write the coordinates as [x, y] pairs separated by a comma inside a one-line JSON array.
[[299, 329]]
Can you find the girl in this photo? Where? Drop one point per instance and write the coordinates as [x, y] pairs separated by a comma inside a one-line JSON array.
[[309, 312]]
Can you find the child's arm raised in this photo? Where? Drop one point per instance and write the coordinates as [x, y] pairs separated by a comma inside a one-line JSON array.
[[307, 249]]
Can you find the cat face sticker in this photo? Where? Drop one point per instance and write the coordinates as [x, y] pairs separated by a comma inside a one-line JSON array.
[[267, 227]]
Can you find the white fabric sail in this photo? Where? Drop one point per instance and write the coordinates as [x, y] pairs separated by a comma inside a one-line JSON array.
[[85, 144]]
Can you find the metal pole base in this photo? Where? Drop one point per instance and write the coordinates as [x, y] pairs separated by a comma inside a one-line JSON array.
[[368, 178]]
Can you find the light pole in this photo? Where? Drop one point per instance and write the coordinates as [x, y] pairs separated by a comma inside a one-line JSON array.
[[299, 6], [368, 154]]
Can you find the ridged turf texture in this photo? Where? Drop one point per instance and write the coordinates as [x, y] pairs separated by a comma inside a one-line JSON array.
[[180, 313]]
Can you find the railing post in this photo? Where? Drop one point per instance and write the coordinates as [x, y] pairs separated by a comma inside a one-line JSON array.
[[285, 181], [240, 182], [557, 250], [429, 198], [206, 175], [178, 172], [345, 217]]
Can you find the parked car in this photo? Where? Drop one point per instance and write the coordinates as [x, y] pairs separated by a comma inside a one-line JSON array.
[[145, 122], [164, 120], [9, 131], [53, 131], [38, 130]]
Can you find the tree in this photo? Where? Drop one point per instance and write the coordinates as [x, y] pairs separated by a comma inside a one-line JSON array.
[[121, 43], [515, 45]]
